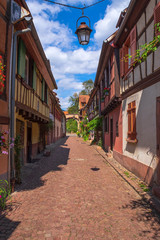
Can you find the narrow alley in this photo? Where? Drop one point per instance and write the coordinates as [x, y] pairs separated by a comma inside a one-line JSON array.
[[75, 194]]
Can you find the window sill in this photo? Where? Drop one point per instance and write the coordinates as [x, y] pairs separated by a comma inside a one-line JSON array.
[[131, 141]]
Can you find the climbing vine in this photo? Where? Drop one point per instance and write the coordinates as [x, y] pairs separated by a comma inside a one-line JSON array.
[[142, 52]]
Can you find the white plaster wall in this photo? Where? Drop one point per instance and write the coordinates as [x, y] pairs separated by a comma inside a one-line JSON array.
[[137, 76], [150, 9], [149, 64], [141, 24], [157, 59], [150, 32], [145, 150]]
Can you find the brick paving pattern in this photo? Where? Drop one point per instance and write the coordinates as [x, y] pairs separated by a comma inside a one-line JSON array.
[[74, 195]]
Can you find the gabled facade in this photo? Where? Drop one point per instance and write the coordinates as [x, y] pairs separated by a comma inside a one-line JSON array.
[[107, 80], [140, 91], [5, 53], [93, 104], [83, 100], [33, 83]]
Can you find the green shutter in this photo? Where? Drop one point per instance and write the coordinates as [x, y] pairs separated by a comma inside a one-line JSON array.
[[21, 58], [47, 94], [43, 86], [34, 76]]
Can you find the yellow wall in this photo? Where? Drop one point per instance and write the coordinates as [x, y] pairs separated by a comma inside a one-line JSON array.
[[35, 133]]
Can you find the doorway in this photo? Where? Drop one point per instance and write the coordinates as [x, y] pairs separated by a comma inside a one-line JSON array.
[[29, 144], [111, 133], [158, 140]]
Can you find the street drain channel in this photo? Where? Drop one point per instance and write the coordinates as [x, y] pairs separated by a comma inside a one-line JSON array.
[[79, 159]]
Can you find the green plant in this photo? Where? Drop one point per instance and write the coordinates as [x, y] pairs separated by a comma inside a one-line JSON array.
[[72, 125], [142, 52], [5, 192], [17, 161], [78, 133], [126, 173], [95, 124], [100, 143], [5, 143], [144, 187], [49, 126]]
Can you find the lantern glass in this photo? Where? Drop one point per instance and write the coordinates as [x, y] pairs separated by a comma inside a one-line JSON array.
[[83, 33]]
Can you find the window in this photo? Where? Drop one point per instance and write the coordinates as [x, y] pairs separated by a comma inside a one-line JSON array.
[[117, 129], [107, 124], [26, 77], [132, 121], [157, 17], [31, 71], [129, 47], [45, 93]]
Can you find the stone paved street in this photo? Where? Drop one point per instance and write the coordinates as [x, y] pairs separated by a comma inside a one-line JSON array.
[[74, 194]]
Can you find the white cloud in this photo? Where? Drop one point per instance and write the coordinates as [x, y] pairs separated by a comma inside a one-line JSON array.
[[64, 102], [106, 26], [69, 84], [72, 62], [66, 61], [50, 31]]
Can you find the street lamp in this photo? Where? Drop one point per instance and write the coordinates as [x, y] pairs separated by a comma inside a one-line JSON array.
[[83, 31]]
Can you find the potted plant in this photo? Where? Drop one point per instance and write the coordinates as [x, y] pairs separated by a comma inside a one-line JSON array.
[[106, 91]]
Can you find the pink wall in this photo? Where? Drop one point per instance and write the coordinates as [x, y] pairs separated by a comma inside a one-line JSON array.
[[116, 114]]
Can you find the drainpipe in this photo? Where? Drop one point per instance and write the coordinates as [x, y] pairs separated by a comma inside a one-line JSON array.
[[12, 111], [9, 96]]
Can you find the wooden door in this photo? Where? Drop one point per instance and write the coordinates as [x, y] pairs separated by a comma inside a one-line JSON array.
[[29, 144], [111, 133], [158, 139]]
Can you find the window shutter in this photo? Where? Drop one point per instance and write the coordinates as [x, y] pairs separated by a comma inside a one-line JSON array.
[[31, 72], [133, 43], [121, 62], [34, 76], [43, 86], [125, 52], [21, 58], [157, 17]]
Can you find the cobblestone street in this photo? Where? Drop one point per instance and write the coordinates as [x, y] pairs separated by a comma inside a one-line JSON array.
[[75, 194]]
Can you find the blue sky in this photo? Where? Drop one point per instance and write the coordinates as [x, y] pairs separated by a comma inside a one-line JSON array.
[[72, 63]]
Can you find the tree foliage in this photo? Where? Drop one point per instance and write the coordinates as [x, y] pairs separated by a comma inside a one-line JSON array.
[[74, 100], [72, 126], [87, 87], [74, 104]]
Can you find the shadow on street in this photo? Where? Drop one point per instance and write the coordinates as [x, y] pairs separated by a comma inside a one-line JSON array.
[[32, 173], [7, 226], [146, 214]]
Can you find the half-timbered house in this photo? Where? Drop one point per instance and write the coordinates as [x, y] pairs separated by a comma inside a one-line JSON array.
[[140, 91], [5, 51], [107, 78], [83, 100], [33, 83]]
